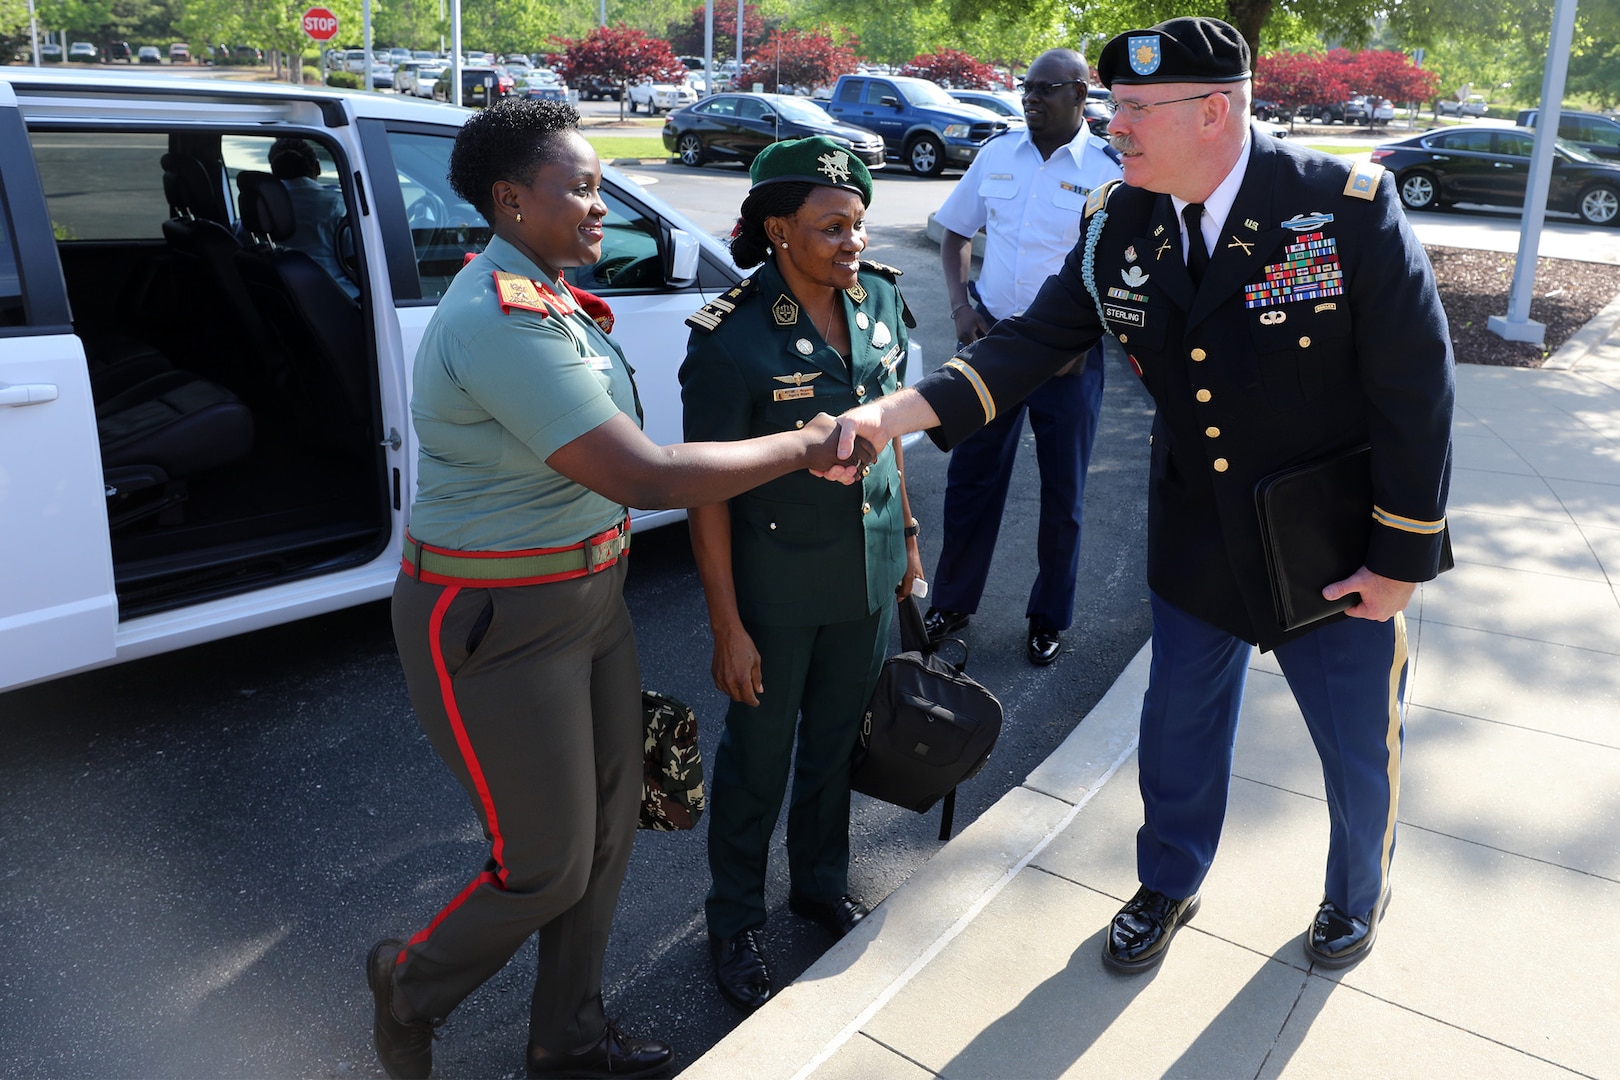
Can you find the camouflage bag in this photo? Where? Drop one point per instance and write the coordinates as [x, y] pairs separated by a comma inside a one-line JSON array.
[[672, 768]]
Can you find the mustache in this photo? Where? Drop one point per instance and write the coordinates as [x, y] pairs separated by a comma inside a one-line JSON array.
[[1125, 144]]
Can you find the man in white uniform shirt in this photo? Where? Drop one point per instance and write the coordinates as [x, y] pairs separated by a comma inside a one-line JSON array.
[[1028, 191]]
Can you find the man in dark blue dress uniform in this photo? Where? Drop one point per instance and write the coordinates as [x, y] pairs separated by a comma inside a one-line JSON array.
[[1280, 311]]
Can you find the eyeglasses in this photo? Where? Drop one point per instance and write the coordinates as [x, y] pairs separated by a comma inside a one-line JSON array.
[[1044, 89], [1135, 110]]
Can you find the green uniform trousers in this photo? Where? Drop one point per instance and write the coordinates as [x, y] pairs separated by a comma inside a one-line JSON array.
[[532, 696], [827, 673]]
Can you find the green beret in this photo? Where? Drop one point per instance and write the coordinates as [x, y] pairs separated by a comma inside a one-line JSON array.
[[1185, 50], [814, 160]]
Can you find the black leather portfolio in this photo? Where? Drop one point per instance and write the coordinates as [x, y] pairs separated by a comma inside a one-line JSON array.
[[1316, 524]]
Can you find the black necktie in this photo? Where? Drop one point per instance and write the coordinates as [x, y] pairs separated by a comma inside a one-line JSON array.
[[1197, 253]]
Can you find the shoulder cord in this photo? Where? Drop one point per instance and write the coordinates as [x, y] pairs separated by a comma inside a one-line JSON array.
[[1088, 263]]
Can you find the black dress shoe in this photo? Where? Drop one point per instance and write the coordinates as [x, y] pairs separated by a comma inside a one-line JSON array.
[[614, 1055], [1338, 940], [739, 968], [1044, 643], [1141, 932], [839, 917], [404, 1047], [939, 624]]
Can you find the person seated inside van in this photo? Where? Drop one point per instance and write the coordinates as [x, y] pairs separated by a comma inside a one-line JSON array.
[[318, 211]]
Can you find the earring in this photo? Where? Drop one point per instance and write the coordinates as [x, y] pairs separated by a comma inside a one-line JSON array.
[[520, 217], [783, 245]]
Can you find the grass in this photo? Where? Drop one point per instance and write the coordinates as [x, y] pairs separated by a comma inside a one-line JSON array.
[[614, 147]]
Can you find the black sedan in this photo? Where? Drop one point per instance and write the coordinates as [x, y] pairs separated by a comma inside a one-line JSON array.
[[1491, 165], [735, 127]]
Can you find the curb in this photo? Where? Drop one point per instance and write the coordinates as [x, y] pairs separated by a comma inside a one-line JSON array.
[[806, 1023], [1579, 345]]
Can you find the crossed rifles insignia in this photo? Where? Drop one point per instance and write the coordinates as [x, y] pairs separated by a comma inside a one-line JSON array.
[[835, 166]]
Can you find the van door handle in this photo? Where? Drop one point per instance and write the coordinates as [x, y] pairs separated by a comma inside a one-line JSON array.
[[19, 394]]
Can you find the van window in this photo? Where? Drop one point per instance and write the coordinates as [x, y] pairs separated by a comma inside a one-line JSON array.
[[12, 311], [445, 228], [105, 187]]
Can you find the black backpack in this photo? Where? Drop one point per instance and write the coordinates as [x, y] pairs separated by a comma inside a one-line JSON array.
[[928, 728]]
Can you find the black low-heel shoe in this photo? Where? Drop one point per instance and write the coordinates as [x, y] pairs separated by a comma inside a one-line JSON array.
[[1140, 934], [615, 1055]]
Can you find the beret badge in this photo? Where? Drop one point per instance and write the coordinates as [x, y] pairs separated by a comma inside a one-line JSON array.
[[1145, 53]]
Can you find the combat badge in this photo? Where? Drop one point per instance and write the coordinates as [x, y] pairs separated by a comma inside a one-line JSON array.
[[1134, 277], [785, 311], [1307, 222]]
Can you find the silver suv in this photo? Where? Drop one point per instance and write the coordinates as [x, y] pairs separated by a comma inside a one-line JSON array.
[[1593, 132]]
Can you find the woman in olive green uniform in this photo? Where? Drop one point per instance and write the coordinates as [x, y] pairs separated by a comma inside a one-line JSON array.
[[800, 575]]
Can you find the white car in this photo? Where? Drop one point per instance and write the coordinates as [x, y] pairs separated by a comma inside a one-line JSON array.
[[661, 97], [1475, 105], [83, 52], [425, 76], [209, 440]]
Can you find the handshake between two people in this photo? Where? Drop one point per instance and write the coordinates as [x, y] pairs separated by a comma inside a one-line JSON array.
[[863, 431]]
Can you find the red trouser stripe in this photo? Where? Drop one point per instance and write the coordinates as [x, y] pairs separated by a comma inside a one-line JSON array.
[[484, 878], [447, 692]]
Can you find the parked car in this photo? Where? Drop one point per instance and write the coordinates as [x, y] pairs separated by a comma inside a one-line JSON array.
[[1266, 109], [1333, 112], [1009, 105], [543, 86], [354, 61], [1473, 105], [1593, 132], [1491, 165], [179, 53], [594, 88], [382, 75], [149, 54], [425, 76], [404, 81], [918, 121], [50, 53], [657, 97], [284, 493], [120, 51], [82, 52], [735, 127], [479, 85], [1367, 110]]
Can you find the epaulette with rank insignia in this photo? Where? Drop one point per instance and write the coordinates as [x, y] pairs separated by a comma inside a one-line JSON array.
[[1099, 196], [709, 317], [1363, 182], [890, 272]]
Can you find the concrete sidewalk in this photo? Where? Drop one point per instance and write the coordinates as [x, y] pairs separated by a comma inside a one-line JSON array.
[[1499, 955]]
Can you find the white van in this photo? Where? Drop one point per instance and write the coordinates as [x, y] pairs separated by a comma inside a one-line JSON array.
[[198, 436]]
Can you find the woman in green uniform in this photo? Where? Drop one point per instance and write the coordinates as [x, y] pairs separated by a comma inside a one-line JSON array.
[[508, 611], [800, 580]]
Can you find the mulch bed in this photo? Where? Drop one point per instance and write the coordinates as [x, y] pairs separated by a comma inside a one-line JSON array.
[[1474, 286]]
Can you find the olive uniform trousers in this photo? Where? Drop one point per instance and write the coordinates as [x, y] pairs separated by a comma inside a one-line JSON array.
[[532, 696]]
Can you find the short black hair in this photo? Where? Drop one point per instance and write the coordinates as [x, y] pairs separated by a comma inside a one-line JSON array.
[[749, 244], [291, 158], [508, 141]]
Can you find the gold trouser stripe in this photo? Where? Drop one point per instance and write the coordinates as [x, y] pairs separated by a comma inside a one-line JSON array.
[[986, 402], [1392, 741], [1406, 524]]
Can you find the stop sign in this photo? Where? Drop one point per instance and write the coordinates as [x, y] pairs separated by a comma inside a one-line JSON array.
[[320, 24]]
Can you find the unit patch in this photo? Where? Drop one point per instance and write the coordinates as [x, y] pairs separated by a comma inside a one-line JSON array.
[[785, 311], [1310, 269]]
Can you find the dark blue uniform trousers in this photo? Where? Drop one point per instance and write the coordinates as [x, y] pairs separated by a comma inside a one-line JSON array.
[[818, 681], [1063, 415], [1349, 679]]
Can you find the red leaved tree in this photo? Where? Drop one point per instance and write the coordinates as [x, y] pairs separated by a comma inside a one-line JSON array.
[[1394, 76], [956, 69], [800, 59], [620, 54], [1300, 79], [686, 38]]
